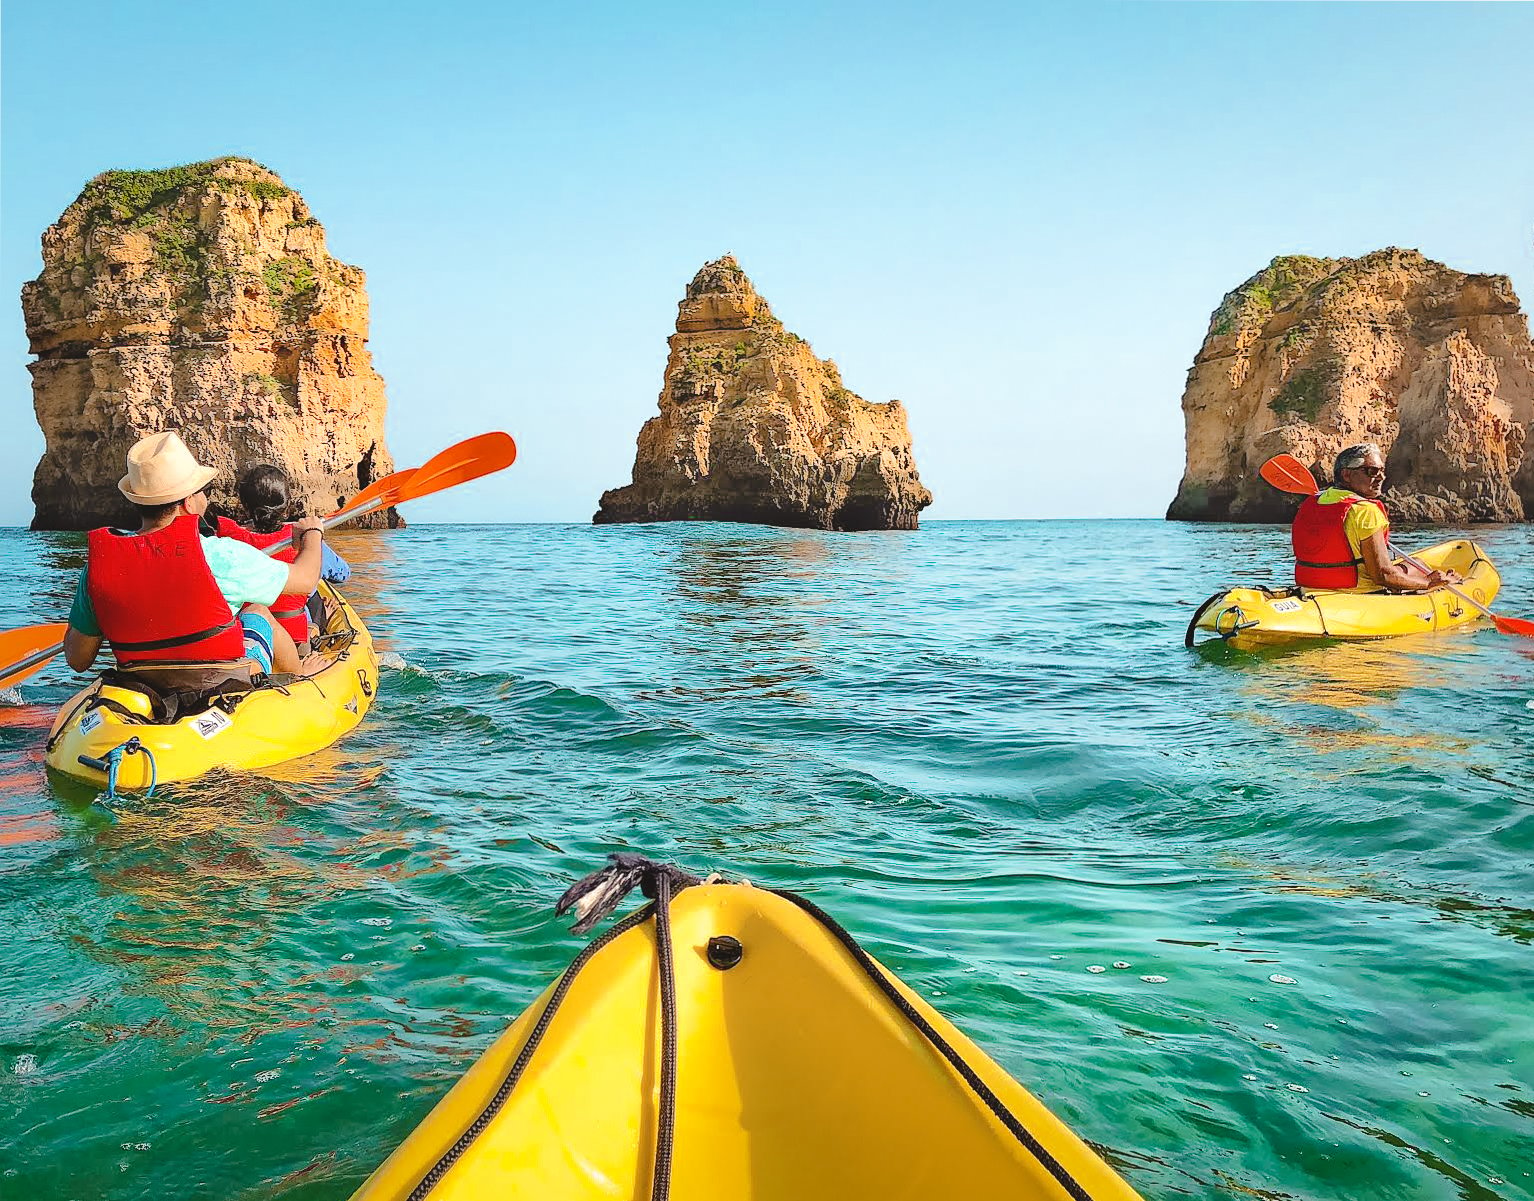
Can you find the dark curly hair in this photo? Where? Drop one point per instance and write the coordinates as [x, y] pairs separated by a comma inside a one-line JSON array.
[[263, 493]]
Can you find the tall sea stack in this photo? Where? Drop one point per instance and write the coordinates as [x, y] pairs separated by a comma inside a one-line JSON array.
[[1311, 355], [199, 299], [753, 427]]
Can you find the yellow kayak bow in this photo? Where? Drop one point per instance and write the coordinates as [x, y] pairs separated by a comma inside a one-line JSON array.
[[778, 1063]]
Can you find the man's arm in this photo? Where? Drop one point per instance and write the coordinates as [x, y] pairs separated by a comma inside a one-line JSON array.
[[1401, 576], [83, 638], [80, 650]]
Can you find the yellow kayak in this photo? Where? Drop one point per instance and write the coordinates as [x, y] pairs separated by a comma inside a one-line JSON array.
[[1259, 616], [796, 1077], [248, 730]]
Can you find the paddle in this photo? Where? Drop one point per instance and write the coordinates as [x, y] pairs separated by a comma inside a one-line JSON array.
[[481, 455], [468, 460], [30, 647], [1288, 474], [373, 491]]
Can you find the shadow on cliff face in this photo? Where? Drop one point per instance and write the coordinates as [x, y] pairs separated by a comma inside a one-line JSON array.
[[1234, 501]]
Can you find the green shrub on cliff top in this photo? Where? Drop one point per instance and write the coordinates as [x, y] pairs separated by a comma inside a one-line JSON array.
[[125, 195], [1276, 285], [129, 195], [263, 189]]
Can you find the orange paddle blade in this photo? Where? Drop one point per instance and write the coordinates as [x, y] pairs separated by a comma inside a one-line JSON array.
[[384, 485], [1514, 625], [468, 460], [1288, 474], [25, 650]]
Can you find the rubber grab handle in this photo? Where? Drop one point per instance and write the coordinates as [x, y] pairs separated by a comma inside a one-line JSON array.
[[94, 764]]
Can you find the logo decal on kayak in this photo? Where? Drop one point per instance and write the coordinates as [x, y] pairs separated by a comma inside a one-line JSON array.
[[211, 723], [1286, 606], [91, 720], [351, 705]]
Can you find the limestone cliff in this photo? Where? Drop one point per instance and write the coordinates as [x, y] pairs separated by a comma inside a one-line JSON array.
[[200, 299], [753, 427], [1311, 355]]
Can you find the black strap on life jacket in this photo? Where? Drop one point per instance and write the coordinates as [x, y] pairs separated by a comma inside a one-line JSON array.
[[165, 644], [1344, 563]]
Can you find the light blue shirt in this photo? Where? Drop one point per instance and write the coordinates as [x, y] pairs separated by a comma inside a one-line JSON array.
[[245, 575]]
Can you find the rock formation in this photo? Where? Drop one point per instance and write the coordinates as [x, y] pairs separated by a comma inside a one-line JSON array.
[[753, 427], [200, 299], [1311, 355]]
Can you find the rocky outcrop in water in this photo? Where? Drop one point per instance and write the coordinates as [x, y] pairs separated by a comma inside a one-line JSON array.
[[1311, 355], [753, 427], [199, 299]]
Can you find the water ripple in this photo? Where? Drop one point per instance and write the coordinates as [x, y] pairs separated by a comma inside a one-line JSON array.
[[1255, 924]]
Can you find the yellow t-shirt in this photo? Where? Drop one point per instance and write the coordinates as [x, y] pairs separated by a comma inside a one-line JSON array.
[[1361, 522]]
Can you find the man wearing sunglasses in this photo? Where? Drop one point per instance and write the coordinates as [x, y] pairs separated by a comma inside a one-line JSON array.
[[1342, 534]]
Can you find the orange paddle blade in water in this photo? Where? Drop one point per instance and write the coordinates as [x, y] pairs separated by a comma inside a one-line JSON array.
[[1513, 625], [1288, 474], [383, 486], [25, 650]]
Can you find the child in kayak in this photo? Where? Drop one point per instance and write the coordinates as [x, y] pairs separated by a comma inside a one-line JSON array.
[[265, 494]]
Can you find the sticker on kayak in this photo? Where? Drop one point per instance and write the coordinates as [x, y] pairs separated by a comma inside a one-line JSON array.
[[213, 722], [1286, 606], [91, 721]]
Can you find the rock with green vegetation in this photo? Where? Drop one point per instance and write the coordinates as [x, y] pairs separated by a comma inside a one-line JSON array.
[[1311, 355], [198, 298], [753, 427]]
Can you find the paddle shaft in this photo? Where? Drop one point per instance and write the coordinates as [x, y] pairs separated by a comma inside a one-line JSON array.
[[35, 659], [276, 548], [1469, 600]]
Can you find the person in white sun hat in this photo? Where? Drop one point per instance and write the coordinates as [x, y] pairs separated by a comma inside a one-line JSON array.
[[165, 596]]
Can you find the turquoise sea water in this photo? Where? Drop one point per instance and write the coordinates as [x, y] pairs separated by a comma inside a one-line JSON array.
[[981, 746]]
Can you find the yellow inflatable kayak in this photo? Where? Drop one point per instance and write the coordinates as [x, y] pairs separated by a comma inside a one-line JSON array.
[[802, 1071], [96, 731], [1263, 616]]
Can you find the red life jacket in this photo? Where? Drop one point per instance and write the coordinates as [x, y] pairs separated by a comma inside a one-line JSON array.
[[155, 597], [289, 608], [1323, 556]]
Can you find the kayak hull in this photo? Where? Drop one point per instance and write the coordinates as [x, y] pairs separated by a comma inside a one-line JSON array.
[[265, 727], [1257, 616], [797, 1080]]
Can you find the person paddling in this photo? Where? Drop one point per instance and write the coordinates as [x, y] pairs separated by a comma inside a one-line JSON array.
[[1341, 535], [265, 493], [164, 595]]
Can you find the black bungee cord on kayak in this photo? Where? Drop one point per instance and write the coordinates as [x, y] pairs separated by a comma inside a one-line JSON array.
[[593, 898]]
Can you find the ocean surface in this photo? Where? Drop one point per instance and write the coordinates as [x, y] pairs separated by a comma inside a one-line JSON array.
[[1307, 877]]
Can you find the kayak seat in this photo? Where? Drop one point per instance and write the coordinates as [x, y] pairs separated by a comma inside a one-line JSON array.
[[177, 690]]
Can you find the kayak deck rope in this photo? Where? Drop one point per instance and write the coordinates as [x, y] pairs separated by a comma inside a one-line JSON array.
[[594, 897], [111, 763]]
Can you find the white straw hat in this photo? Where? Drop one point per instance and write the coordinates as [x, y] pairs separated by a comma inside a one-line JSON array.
[[161, 470]]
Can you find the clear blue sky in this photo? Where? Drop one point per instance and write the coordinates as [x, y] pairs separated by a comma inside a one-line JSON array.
[[1017, 219]]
